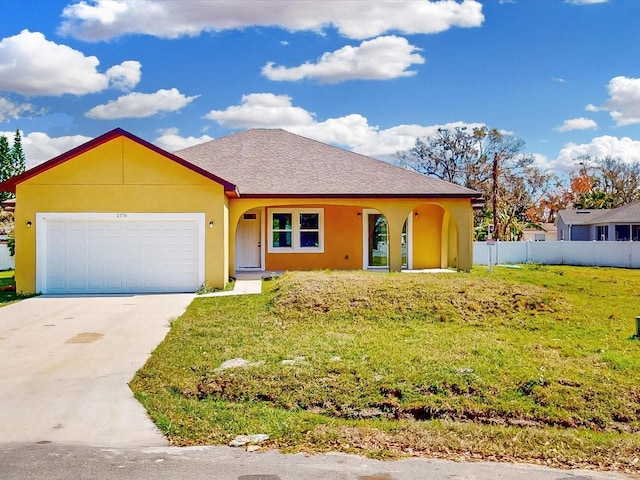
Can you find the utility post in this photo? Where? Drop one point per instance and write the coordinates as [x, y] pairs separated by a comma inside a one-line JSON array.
[[494, 194]]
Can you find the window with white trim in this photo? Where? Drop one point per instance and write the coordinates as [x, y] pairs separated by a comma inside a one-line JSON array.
[[296, 230]]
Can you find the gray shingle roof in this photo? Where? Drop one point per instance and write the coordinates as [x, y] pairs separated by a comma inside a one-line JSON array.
[[629, 213], [276, 162], [580, 217]]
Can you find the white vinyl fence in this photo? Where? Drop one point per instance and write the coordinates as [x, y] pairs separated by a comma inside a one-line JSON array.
[[600, 254], [6, 261]]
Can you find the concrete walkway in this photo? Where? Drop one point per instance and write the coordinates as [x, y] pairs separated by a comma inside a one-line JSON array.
[[241, 287], [65, 364], [247, 283]]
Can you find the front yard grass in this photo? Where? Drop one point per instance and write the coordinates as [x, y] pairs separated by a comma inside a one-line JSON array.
[[537, 364]]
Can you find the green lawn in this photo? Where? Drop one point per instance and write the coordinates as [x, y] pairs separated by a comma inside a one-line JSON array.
[[537, 364]]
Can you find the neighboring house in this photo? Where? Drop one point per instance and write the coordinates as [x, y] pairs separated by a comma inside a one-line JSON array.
[[616, 224], [545, 232], [9, 205], [119, 214]]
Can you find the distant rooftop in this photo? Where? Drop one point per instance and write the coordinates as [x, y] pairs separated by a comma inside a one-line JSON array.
[[629, 213]]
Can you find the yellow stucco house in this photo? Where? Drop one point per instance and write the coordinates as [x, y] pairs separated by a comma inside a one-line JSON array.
[[120, 215]]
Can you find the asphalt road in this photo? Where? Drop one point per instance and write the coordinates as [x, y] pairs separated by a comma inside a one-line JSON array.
[[60, 462]]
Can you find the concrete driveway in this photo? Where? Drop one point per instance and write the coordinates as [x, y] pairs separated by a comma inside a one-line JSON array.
[[65, 364]]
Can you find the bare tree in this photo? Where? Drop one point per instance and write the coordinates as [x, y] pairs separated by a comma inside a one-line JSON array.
[[607, 182], [489, 161]]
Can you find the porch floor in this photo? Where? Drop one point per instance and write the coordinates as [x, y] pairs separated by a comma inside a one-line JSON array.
[[250, 282], [256, 274], [430, 270], [260, 274]]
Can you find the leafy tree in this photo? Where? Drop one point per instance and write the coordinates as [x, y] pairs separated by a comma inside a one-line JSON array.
[[6, 164], [17, 153], [6, 228], [12, 160], [593, 200], [11, 244], [605, 183], [546, 209]]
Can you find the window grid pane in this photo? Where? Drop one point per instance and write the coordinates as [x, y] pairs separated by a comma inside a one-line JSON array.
[[309, 239], [282, 221], [309, 221], [296, 230], [309, 230], [282, 239]]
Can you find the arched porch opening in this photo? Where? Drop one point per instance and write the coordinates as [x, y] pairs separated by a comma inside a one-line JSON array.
[[249, 238], [431, 237], [425, 238], [375, 241]]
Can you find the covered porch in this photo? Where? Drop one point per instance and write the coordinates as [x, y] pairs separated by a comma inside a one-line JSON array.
[[388, 234]]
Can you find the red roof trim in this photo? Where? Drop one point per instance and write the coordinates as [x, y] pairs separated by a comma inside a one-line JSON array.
[[10, 185], [363, 195]]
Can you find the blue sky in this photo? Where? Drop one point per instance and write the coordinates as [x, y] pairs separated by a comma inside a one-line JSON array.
[[366, 75]]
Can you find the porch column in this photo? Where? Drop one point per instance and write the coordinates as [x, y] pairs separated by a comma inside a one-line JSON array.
[[235, 212], [395, 221], [462, 214]]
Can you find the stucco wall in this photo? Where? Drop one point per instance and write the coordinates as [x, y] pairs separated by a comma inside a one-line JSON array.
[[120, 176], [342, 244]]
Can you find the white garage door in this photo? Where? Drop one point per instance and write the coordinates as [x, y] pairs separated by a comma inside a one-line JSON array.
[[119, 253]]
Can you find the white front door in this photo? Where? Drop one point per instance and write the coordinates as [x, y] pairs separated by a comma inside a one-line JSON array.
[[248, 241]]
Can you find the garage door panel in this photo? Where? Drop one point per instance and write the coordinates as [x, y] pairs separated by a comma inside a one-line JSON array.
[[150, 254]]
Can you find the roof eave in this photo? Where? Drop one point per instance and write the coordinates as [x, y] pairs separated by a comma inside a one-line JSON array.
[[361, 195]]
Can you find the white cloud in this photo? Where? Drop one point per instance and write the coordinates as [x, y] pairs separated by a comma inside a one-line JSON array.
[[353, 131], [96, 20], [581, 123], [382, 58], [32, 65], [625, 148], [586, 2], [262, 110], [125, 76], [624, 100], [39, 147], [9, 109], [140, 105], [542, 162], [170, 141]]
